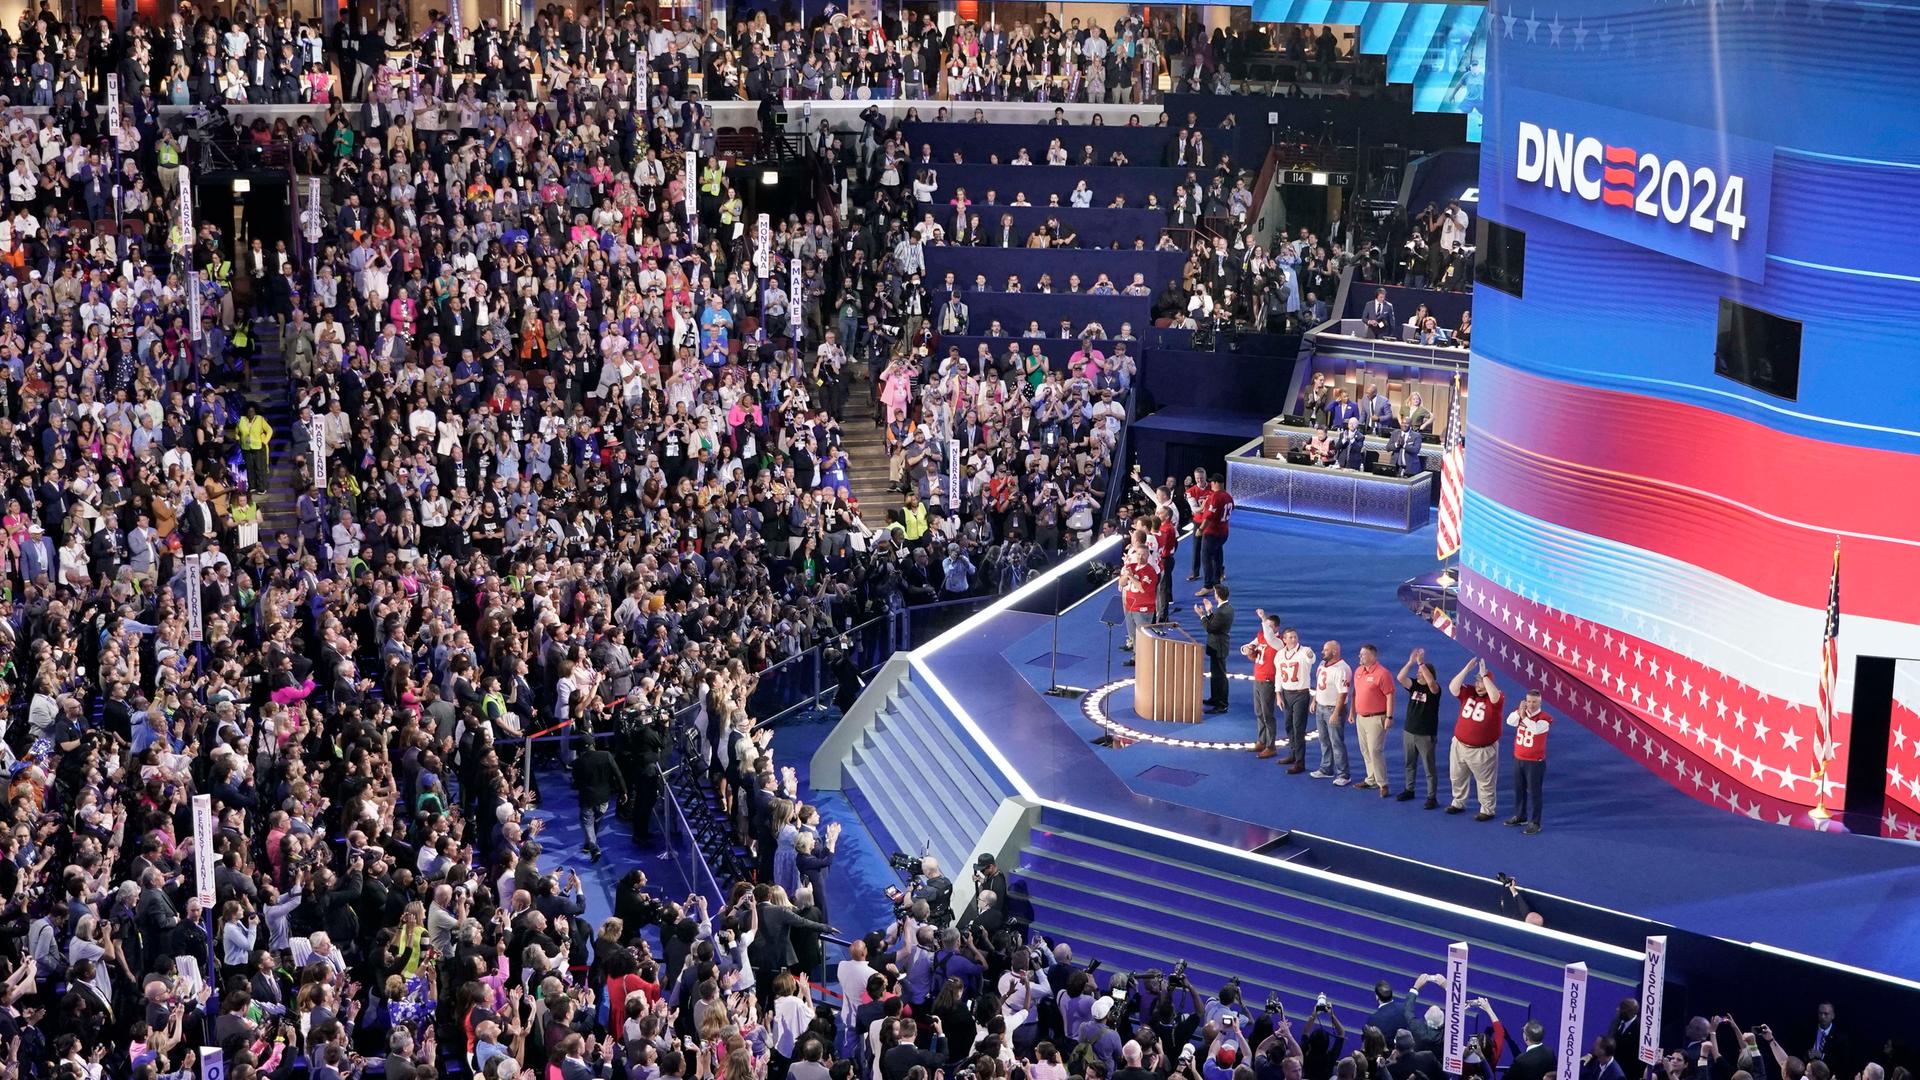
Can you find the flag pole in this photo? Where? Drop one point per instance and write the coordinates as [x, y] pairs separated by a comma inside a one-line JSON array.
[[1829, 680]]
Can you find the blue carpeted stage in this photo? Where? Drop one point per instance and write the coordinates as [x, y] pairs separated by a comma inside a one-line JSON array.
[[1617, 836]]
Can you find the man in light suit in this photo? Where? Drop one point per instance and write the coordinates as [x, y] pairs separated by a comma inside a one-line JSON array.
[[143, 547], [39, 558], [1379, 315]]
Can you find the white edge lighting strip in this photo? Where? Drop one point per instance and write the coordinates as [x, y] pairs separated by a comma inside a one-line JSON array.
[[1835, 965], [1030, 588]]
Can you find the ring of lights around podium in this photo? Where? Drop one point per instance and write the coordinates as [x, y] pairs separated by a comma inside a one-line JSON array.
[[1094, 707]]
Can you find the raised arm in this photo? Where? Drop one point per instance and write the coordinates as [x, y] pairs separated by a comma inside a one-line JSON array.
[[1405, 677], [1459, 682]]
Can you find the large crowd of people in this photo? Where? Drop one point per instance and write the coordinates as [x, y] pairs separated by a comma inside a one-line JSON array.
[[558, 464], [555, 462]]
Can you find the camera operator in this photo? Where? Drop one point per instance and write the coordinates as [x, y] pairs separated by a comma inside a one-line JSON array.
[[987, 877], [1097, 1043], [1167, 1004], [1278, 1057], [1023, 990], [1227, 1003], [645, 736], [918, 942], [1321, 1050], [1513, 903], [959, 957], [936, 890]]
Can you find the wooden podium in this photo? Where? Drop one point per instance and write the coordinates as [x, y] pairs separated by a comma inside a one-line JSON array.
[[1169, 671]]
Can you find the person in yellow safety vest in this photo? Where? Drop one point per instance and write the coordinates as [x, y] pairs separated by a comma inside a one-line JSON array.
[[255, 435], [913, 518], [168, 156], [731, 210], [711, 178]]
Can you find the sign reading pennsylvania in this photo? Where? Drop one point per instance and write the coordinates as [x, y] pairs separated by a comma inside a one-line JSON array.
[[1683, 191]]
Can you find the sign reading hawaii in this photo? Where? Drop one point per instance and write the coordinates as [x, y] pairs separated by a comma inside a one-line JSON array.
[[1683, 191]]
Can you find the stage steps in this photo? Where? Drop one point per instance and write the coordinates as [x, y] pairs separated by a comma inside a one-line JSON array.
[[1135, 900], [926, 786]]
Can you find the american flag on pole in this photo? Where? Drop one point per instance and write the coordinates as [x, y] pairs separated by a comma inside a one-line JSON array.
[[1453, 466], [1829, 674]]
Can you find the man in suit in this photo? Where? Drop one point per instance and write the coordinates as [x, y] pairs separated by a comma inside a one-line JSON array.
[[1409, 1062], [1314, 311], [1830, 1044], [614, 661], [1222, 269], [597, 777], [772, 948], [1601, 1062], [1388, 1017], [1379, 315], [1350, 445], [1377, 409], [1404, 448], [900, 1059], [153, 913], [1536, 1061], [1625, 1025], [579, 1062], [1216, 617]]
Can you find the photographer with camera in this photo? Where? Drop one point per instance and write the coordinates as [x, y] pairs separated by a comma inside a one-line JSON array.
[[1321, 1049], [645, 735], [935, 890], [1227, 1002], [1277, 1055], [1166, 1004], [1513, 903]]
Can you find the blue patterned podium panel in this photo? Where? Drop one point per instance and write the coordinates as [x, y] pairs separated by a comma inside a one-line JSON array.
[[1402, 504]]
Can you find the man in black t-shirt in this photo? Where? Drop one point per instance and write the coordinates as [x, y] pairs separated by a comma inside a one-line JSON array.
[[1422, 723]]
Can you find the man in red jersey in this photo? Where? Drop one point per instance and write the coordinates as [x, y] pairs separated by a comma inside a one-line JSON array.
[[1530, 724], [1167, 540], [1475, 758], [1139, 584], [1261, 651], [1196, 494], [1216, 515]]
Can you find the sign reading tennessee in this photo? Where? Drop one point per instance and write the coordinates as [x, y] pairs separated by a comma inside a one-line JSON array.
[[1683, 191]]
